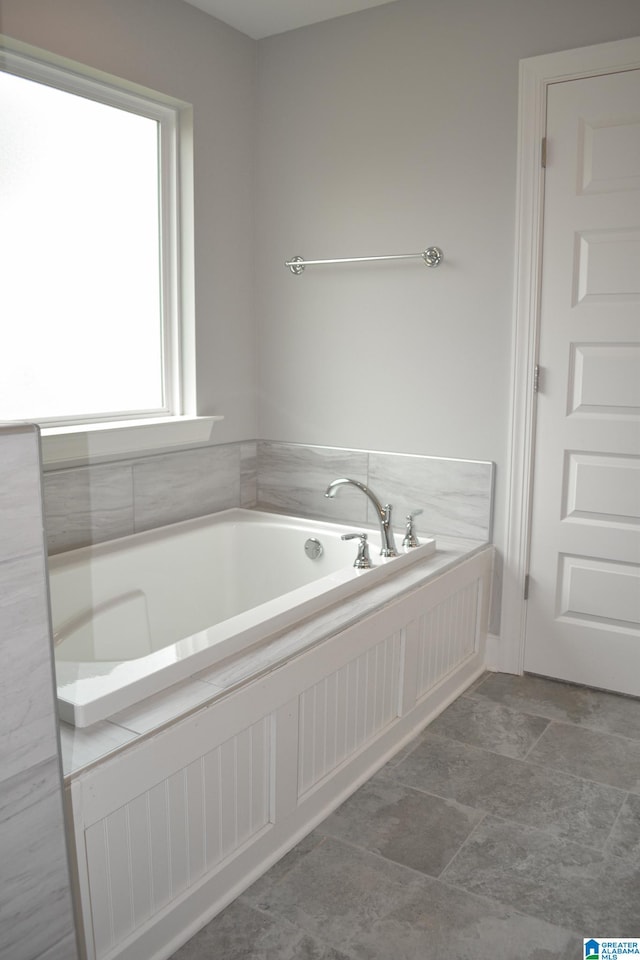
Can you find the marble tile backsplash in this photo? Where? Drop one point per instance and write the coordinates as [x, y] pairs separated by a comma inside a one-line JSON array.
[[91, 504], [293, 477], [248, 473], [455, 496], [87, 505], [181, 486]]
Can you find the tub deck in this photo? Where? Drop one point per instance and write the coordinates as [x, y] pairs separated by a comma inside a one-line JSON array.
[[84, 747], [135, 616]]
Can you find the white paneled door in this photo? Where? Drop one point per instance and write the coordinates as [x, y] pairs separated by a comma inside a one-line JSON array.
[[583, 612]]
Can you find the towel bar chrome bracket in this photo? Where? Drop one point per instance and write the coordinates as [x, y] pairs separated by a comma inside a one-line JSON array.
[[432, 257]]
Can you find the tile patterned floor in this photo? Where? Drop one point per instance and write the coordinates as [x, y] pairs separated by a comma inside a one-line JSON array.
[[508, 830]]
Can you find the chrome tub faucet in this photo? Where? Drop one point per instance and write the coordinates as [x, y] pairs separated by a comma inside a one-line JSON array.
[[383, 513]]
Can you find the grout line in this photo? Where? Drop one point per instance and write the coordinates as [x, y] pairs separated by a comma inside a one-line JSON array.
[[505, 904], [530, 711], [602, 733], [466, 840], [440, 879], [613, 825], [601, 852], [576, 776], [537, 740], [547, 766], [512, 908], [475, 746], [352, 845], [487, 812]]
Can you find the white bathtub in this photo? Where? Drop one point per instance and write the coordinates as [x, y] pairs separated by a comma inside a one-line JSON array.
[[135, 615]]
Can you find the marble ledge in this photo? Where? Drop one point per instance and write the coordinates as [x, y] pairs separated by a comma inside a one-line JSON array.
[[85, 747]]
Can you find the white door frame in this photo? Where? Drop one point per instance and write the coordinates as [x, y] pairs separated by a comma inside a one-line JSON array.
[[536, 73]]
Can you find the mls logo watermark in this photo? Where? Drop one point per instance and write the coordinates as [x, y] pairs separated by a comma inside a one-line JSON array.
[[610, 948]]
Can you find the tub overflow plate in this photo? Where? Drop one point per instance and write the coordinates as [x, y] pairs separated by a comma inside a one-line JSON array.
[[313, 548]]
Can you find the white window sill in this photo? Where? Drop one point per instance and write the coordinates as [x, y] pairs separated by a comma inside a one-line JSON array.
[[103, 441]]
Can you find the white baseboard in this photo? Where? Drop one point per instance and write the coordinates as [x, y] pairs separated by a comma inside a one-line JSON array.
[[498, 659]]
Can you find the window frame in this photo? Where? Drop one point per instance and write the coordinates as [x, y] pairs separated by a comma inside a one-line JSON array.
[[175, 170]]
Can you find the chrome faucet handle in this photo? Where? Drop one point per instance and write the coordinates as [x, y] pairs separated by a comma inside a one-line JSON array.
[[363, 560], [388, 547], [410, 539]]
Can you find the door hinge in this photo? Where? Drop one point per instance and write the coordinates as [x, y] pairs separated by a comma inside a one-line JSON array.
[[543, 152], [526, 587], [536, 378]]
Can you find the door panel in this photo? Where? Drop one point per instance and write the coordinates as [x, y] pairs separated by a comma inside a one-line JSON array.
[[606, 265], [609, 156], [602, 489], [583, 613]]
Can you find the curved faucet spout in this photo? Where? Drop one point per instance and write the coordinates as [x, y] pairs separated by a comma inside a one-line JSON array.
[[332, 489], [383, 513]]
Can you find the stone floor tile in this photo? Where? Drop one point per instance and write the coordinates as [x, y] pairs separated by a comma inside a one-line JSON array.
[[625, 836], [574, 949], [242, 933], [564, 805], [338, 891], [567, 702], [445, 922], [402, 824], [564, 883], [374, 910], [483, 723], [603, 757], [282, 867]]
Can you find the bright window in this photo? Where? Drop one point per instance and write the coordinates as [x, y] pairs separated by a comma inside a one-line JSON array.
[[88, 250]]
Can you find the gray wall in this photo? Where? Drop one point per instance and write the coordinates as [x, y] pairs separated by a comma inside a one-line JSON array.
[[384, 132], [36, 918]]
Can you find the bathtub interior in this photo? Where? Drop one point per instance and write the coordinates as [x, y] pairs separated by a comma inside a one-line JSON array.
[[133, 616]]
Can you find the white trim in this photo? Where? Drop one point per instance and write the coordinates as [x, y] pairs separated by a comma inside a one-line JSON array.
[[175, 125], [40, 66], [536, 74], [492, 661]]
